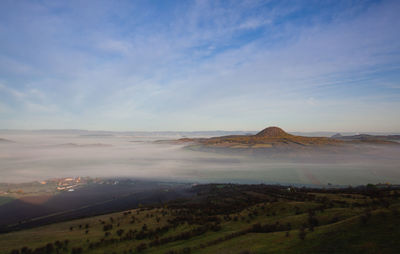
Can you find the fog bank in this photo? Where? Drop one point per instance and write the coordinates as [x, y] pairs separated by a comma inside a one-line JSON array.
[[42, 155]]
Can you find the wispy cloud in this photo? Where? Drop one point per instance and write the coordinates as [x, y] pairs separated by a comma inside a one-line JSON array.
[[199, 65]]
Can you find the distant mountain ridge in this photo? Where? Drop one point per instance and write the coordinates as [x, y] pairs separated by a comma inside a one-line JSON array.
[[267, 138], [3, 140], [367, 137], [275, 137], [94, 133]]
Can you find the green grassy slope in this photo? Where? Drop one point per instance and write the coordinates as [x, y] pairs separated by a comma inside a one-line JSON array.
[[232, 219]]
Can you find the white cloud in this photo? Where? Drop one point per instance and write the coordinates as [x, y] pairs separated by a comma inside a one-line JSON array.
[[198, 62], [117, 46]]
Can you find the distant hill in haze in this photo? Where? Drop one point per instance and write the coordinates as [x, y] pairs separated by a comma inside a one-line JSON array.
[[3, 140], [275, 137], [367, 137], [209, 133], [105, 134], [269, 137]]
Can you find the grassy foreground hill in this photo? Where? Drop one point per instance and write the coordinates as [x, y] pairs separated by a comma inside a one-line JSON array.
[[228, 218]]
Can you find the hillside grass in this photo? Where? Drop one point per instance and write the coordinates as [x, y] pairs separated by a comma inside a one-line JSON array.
[[331, 222]]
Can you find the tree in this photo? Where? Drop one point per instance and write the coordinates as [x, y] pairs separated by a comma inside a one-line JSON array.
[[302, 234], [76, 250], [107, 227], [49, 248], [120, 232], [141, 247]]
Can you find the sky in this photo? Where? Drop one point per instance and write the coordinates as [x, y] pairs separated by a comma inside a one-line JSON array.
[[200, 65]]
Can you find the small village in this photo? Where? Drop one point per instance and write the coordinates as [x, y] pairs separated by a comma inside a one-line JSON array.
[[71, 183], [52, 185]]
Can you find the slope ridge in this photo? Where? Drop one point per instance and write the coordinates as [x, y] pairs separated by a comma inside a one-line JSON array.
[[273, 132]]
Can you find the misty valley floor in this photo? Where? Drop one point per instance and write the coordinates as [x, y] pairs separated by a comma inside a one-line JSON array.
[[31, 156]]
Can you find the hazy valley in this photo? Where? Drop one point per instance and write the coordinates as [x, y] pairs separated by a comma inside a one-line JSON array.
[[36, 156], [93, 192]]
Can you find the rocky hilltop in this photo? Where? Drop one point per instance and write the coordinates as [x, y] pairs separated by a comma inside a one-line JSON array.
[[272, 132]]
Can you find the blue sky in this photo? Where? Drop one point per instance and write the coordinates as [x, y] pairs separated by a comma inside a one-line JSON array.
[[200, 65]]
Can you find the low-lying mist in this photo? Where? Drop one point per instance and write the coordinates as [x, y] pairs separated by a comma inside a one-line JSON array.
[[42, 155]]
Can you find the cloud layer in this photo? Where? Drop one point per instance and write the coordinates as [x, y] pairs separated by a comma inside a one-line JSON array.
[[200, 65]]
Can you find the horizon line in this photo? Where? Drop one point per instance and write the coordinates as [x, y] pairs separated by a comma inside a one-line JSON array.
[[178, 131]]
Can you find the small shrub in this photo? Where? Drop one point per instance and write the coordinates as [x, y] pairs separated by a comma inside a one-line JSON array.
[[302, 234], [141, 247]]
